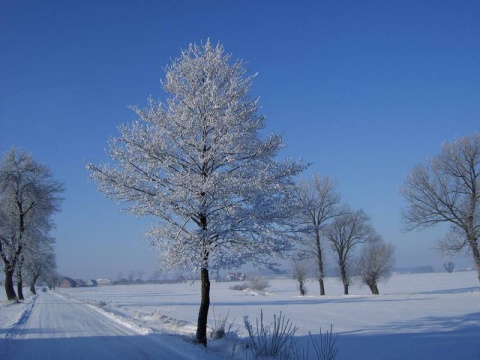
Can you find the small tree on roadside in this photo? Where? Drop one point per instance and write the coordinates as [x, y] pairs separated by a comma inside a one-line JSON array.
[[446, 190], [199, 166], [52, 278], [375, 262], [40, 260], [346, 231]]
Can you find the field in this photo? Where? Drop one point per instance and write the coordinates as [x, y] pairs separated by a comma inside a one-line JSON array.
[[417, 316]]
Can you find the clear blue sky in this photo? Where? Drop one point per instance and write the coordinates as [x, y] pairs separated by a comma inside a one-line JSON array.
[[362, 89]]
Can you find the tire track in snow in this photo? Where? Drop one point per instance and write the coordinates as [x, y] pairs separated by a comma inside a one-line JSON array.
[[15, 329]]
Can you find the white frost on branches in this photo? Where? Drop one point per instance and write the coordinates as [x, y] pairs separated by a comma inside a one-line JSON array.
[[198, 164]]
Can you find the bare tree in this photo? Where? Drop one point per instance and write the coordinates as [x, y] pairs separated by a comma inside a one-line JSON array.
[[300, 270], [375, 262], [317, 204], [199, 165], [346, 231], [447, 191], [449, 266], [28, 198]]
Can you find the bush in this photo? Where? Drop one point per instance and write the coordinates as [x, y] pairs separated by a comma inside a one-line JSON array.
[[103, 303], [239, 287], [276, 340], [257, 282]]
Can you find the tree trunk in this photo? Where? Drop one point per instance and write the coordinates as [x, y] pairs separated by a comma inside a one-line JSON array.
[[374, 289], [476, 254], [322, 287], [301, 286], [343, 274], [20, 290], [204, 306], [320, 263], [9, 289], [34, 281], [20, 281]]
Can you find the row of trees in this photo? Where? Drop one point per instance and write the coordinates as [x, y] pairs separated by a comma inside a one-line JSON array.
[[324, 224], [198, 164], [29, 196]]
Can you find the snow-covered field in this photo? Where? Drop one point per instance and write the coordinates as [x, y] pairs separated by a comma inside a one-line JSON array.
[[417, 316]]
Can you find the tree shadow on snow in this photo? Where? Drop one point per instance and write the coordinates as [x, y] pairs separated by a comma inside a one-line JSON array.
[[266, 301], [426, 338], [467, 290]]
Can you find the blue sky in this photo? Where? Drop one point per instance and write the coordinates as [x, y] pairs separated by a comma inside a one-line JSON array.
[[363, 90]]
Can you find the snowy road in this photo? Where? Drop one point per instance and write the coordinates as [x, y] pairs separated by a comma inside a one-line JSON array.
[[60, 328]]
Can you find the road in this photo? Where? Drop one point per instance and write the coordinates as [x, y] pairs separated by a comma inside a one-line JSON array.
[[65, 329]]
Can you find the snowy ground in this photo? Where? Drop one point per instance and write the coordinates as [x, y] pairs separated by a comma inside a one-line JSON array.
[[417, 316]]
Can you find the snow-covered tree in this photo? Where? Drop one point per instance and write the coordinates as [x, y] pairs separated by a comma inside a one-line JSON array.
[[39, 260], [317, 204], [344, 233], [199, 165], [375, 262], [28, 198], [447, 191], [52, 278]]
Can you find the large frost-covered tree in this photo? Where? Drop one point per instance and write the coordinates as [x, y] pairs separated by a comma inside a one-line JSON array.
[[446, 190], [199, 164], [29, 196]]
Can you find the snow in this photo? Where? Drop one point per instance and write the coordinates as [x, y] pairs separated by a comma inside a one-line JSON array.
[[417, 316]]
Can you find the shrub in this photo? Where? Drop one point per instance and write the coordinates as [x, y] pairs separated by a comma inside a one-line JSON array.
[[220, 329], [239, 287], [257, 282], [276, 340], [325, 347], [103, 303]]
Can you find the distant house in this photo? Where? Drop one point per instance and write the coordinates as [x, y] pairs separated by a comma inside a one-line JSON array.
[[101, 282], [236, 276], [80, 283], [68, 283], [91, 283]]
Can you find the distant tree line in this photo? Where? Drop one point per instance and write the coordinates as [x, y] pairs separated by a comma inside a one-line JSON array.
[[327, 227]]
